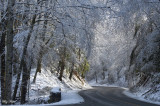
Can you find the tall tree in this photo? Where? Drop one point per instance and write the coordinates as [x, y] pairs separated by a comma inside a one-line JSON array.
[[42, 37], [24, 53], [2, 52], [62, 62], [9, 50]]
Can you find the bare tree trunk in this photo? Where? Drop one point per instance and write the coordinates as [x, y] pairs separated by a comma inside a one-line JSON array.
[[79, 53], [29, 76], [71, 73], [62, 70], [103, 75], [62, 63], [17, 81], [23, 55], [9, 51], [58, 68], [38, 69], [25, 78], [2, 47], [2, 54], [39, 63]]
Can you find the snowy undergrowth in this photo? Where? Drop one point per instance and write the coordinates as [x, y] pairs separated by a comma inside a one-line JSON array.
[[141, 97], [150, 91], [45, 81]]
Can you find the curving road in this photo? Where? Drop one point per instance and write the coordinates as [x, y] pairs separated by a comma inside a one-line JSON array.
[[108, 96]]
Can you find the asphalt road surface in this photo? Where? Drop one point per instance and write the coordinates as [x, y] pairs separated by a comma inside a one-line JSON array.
[[108, 96]]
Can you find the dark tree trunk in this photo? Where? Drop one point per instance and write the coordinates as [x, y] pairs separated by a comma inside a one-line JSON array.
[[9, 51], [79, 53], [31, 62], [103, 75], [39, 65], [17, 82], [71, 73], [62, 70], [25, 75], [62, 63], [25, 78], [2, 54], [3, 78]]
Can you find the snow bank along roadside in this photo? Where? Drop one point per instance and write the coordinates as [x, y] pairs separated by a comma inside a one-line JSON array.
[[138, 96], [69, 97], [46, 81], [126, 92]]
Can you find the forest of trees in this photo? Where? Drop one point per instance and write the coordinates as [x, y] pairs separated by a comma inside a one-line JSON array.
[[60, 35], [54, 34], [127, 47]]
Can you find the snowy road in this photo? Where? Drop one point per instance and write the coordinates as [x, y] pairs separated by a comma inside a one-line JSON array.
[[108, 96]]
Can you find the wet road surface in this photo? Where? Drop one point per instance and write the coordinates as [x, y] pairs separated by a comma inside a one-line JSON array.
[[108, 96]]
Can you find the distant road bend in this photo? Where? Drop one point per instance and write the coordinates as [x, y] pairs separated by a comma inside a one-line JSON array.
[[108, 96]]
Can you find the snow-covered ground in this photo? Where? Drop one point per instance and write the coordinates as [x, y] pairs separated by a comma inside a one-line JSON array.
[[138, 96], [46, 81], [68, 97]]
